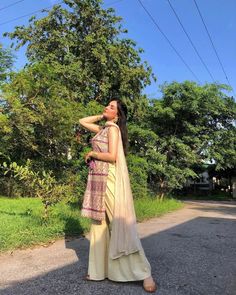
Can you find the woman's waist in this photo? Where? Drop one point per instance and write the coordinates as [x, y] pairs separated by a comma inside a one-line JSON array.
[[110, 165], [96, 164]]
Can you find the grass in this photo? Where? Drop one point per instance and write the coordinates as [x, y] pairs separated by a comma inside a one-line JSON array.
[[22, 223], [147, 208], [209, 196]]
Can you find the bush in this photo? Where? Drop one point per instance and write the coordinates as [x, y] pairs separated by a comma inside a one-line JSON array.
[[137, 167], [37, 184]]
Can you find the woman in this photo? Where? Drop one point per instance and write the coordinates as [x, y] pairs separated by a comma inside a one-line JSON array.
[[115, 251]]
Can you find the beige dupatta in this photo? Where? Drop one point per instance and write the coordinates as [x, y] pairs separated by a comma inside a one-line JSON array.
[[124, 237]]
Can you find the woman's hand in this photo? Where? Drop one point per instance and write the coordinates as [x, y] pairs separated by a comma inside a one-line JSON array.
[[89, 122], [88, 156]]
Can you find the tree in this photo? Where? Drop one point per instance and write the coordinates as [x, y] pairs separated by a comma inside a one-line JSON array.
[[75, 56], [84, 47], [6, 62], [77, 61], [188, 126], [204, 118]]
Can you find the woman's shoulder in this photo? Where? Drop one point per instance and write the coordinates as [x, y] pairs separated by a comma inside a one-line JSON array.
[[110, 124]]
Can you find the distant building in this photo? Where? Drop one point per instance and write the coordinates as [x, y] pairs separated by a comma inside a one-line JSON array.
[[209, 180], [202, 183]]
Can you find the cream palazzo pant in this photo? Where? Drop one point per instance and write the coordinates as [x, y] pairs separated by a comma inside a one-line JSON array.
[[131, 267]]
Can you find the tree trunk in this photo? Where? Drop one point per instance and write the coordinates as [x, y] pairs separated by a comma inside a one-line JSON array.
[[46, 210], [194, 188], [161, 195]]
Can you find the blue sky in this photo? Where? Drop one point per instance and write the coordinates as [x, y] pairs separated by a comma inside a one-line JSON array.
[[219, 16]]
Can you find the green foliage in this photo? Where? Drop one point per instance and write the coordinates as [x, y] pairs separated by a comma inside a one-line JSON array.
[[6, 62], [77, 61], [22, 224], [146, 207], [188, 126], [82, 45], [138, 176], [43, 186], [202, 117], [39, 117]]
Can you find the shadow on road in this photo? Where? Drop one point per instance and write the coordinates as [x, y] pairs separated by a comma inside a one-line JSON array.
[[225, 208], [197, 257]]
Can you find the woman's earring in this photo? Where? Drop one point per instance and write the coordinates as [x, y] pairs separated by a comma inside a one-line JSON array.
[[116, 119]]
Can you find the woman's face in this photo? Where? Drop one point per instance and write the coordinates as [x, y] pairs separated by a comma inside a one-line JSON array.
[[110, 112]]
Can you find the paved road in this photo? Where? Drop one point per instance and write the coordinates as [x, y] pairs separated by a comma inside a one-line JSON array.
[[192, 252]]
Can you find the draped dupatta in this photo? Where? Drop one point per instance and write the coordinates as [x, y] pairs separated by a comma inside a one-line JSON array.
[[124, 237]]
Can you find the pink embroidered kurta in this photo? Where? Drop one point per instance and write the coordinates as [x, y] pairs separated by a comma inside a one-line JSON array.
[[94, 197]]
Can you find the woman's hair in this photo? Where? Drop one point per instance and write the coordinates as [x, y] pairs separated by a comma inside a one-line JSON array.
[[122, 113]]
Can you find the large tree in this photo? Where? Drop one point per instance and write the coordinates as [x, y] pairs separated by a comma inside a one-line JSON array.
[[83, 44], [76, 56], [78, 59], [6, 63], [203, 117], [190, 125]]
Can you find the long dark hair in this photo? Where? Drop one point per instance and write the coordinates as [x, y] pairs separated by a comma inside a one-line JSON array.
[[122, 118]]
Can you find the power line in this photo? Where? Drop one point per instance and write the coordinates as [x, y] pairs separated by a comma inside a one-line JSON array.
[[213, 46], [12, 4], [190, 40], [167, 39], [33, 12]]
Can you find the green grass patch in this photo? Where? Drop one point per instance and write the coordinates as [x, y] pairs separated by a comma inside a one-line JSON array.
[[208, 196], [149, 207], [22, 223]]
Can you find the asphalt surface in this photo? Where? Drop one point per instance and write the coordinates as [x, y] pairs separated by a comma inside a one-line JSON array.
[[192, 251]]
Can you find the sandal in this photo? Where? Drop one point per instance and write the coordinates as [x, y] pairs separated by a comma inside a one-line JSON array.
[[150, 288], [87, 278]]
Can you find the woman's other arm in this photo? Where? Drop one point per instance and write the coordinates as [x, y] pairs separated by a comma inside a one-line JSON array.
[[88, 123]]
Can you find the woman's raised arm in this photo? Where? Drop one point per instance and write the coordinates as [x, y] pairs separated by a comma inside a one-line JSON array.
[[88, 123]]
